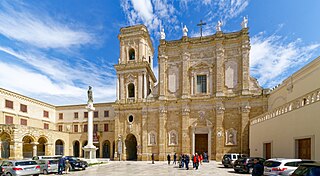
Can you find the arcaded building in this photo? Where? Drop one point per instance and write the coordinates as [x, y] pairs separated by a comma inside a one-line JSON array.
[[202, 101]]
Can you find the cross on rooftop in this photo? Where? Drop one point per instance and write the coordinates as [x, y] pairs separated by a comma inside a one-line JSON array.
[[201, 24]]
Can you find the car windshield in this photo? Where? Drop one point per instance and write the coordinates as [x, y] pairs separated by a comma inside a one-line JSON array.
[[272, 163], [25, 163], [53, 162], [227, 156]]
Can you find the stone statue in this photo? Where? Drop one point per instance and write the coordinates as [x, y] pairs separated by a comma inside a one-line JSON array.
[[218, 26], [173, 139], [244, 23], [152, 139], [90, 96], [231, 137], [185, 31], [162, 34]]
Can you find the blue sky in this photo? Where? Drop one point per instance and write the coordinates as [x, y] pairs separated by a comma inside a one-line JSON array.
[[52, 50]]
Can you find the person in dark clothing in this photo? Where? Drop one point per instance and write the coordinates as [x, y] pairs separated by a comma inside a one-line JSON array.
[[174, 158], [182, 160], [168, 158], [152, 158], [257, 168], [187, 159], [61, 165]]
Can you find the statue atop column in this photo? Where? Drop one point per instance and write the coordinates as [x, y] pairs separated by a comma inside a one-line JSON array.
[[162, 34], [218, 26], [244, 23], [185, 31], [90, 96]]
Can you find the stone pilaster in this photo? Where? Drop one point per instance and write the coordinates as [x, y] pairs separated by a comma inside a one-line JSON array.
[[34, 148], [219, 68], [122, 89], [144, 136], [116, 134], [162, 77], [186, 143], [140, 87], [219, 132], [245, 62], [49, 149], [245, 122], [162, 133], [16, 150], [185, 77]]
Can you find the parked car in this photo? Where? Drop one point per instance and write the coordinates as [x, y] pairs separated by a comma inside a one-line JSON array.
[[307, 169], [229, 158], [76, 163], [282, 166], [245, 164], [20, 167], [57, 157], [48, 166]]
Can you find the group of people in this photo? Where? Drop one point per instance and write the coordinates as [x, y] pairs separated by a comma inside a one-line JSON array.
[[184, 160], [63, 165]]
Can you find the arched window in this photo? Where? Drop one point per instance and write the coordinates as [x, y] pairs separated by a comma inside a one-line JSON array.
[[131, 90], [131, 54]]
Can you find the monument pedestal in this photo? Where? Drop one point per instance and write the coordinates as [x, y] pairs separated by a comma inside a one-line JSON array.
[[90, 153]]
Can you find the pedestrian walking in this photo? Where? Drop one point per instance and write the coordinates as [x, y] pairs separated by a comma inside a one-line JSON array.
[[174, 158], [168, 158], [152, 158], [193, 163], [257, 168], [61, 165], [67, 166], [201, 158], [182, 160], [187, 159], [196, 161]]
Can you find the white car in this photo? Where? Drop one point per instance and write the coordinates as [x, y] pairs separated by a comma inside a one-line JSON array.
[[282, 166]]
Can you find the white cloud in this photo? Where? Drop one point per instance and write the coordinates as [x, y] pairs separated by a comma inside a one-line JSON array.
[[273, 58], [39, 30]]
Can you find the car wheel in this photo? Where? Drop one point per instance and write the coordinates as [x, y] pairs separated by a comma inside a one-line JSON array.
[[237, 171], [84, 168], [36, 175], [45, 172], [226, 166], [9, 174]]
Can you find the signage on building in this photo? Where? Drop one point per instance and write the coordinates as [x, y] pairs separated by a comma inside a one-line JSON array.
[[95, 137]]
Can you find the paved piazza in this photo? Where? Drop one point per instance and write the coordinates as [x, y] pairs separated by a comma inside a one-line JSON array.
[[127, 168]]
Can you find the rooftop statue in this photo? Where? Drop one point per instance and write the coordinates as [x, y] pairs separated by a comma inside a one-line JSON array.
[[185, 31], [162, 34], [218, 26], [244, 23]]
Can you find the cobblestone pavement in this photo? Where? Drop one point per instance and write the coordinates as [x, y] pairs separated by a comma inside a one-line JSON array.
[[160, 168]]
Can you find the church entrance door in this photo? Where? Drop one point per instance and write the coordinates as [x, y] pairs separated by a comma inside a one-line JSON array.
[[131, 147], [201, 143]]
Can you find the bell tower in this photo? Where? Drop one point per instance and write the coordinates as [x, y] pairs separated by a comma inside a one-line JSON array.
[[135, 76]]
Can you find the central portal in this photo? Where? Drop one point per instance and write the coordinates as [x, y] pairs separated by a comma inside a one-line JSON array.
[[131, 147], [201, 143]]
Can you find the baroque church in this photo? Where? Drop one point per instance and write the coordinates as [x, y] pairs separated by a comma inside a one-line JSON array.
[[202, 101]]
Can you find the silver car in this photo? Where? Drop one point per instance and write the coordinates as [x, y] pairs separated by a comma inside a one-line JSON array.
[[20, 167], [48, 166]]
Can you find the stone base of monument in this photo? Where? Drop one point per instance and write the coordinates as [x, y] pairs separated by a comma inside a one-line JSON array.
[[90, 154]]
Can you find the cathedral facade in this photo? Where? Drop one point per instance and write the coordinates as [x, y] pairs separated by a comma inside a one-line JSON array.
[[202, 101]]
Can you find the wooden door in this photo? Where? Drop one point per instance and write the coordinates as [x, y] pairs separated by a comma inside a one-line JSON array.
[[267, 150], [304, 148], [201, 144]]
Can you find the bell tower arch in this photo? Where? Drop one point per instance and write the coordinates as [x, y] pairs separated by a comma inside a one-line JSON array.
[[135, 76]]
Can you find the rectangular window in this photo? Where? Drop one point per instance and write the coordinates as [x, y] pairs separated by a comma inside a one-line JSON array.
[[60, 127], [24, 122], [9, 120], [96, 114], [9, 104], [95, 127], [201, 83], [106, 127], [45, 126], [106, 113], [85, 114], [75, 128], [46, 114], [76, 115], [23, 108], [60, 116], [85, 128]]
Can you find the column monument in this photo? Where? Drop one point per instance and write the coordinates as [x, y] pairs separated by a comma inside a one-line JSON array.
[[90, 149]]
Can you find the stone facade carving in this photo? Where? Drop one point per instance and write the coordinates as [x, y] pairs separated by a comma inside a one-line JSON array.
[[231, 74], [152, 138], [173, 138]]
